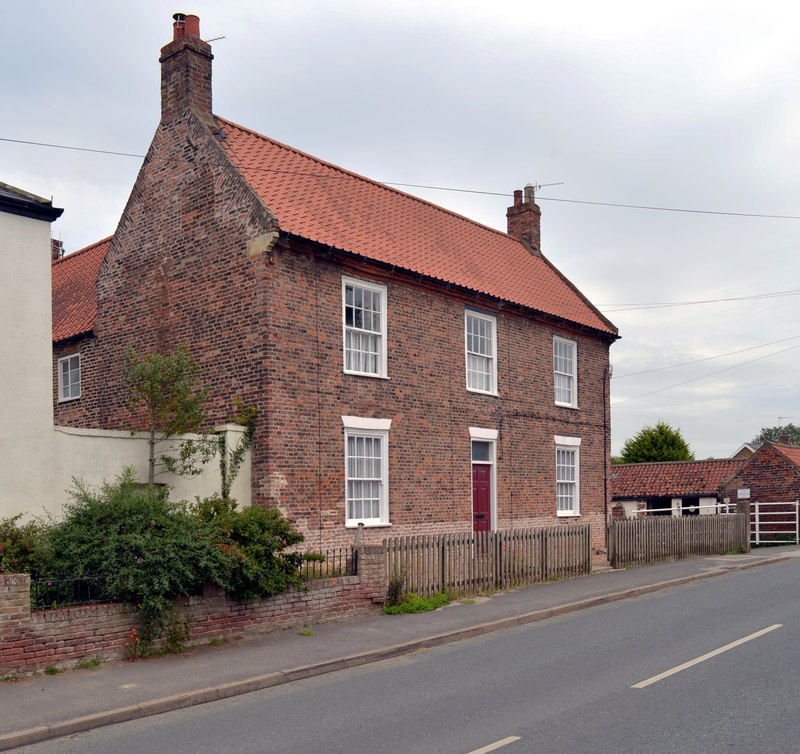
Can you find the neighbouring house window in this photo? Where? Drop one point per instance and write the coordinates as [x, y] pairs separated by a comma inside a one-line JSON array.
[[366, 452], [568, 476], [565, 371], [69, 377], [364, 323], [480, 331]]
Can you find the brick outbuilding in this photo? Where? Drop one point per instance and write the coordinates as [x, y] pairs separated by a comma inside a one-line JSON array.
[[414, 371]]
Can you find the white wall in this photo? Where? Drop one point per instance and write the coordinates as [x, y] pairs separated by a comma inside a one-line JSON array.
[[96, 456], [26, 407]]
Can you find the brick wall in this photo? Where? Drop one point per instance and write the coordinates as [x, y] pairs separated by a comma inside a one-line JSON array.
[[31, 641]]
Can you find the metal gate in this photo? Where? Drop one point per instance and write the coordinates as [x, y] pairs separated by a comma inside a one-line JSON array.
[[774, 523]]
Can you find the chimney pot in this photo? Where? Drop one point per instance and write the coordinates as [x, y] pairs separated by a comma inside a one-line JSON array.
[[185, 26], [517, 197]]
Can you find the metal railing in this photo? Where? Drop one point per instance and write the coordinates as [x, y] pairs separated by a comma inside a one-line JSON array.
[[57, 591], [324, 564]]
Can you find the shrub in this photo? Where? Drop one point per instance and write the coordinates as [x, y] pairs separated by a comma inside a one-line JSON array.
[[147, 549], [20, 545], [252, 545]]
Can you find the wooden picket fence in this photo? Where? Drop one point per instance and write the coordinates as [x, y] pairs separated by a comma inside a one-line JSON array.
[[655, 539], [475, 562]]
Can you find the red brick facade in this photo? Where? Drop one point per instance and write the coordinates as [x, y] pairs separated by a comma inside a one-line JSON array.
[[769, 475], [198, 257]]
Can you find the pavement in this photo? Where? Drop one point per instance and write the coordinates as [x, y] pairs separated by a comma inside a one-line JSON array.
[[43, 707]]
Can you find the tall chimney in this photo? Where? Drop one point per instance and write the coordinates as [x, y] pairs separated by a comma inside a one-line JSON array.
[[524, 220], [185, 70]]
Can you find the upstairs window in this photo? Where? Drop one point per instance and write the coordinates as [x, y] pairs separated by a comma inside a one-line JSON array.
[[480, 336], [364, 324], [69, 377], [565, 372]]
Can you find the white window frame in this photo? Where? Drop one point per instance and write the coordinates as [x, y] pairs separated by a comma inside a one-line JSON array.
[[571, 376], [360, 427], [381, 357], [68, 385], [491, 320], [569, 446]]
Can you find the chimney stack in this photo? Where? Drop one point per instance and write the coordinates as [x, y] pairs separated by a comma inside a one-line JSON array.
[[524, 220], [185, 70], [56, 249], [785, 440]]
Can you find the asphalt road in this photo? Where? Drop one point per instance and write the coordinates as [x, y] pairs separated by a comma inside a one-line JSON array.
[[707, 667]]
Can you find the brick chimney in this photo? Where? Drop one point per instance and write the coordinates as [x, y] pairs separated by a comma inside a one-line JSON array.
[[785, 440], [185, 70], [524, 220]]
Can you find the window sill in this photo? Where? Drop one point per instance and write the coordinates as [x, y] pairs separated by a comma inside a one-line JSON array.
[[567, 514], [483, 392], [67, 400], [366, 525], [568, 405], [367, 374]]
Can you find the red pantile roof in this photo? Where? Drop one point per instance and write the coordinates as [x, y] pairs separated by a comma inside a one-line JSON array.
[[324, 203], [792, 452], [75, 290], [671, 478]]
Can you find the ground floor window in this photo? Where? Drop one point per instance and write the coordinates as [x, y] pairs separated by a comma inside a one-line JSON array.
[[568, 476], [366, 452]]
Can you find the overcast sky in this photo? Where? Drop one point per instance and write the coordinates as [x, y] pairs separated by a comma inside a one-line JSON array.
[[688, 105]]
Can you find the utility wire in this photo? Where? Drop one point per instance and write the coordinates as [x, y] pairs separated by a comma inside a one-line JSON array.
[[606, 308], [698, 361], [433, 188], [702, 377]]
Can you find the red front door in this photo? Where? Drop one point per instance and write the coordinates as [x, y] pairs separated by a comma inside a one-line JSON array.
[[481, 497]]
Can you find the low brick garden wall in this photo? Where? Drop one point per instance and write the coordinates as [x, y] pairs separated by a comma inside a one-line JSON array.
[[62, 637]]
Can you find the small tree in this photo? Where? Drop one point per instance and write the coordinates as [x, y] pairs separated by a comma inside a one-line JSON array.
[[659, 443], [774, 434], [166, 387]]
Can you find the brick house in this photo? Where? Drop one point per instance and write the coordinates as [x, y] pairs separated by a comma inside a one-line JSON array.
[[677, 488], [770, 475], [414, 371]]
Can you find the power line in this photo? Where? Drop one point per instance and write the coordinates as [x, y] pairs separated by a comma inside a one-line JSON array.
[[707, 358], [432, 188], [702, 377], [672, 304]]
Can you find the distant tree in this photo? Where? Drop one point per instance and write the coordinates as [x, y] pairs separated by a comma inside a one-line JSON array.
[[166, 386], [659, 443], [774, 434]]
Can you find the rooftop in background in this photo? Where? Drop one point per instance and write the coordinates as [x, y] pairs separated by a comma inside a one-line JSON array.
[[75, 290], [630, 481]]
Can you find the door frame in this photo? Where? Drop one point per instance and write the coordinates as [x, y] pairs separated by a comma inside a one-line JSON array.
[[488, 436]]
